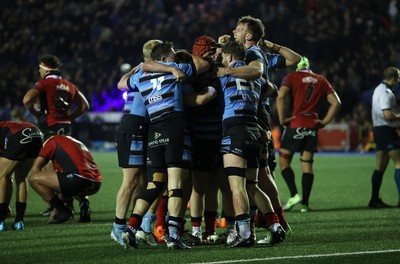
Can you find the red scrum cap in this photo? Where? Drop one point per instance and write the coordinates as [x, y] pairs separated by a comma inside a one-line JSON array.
[[203, 45]]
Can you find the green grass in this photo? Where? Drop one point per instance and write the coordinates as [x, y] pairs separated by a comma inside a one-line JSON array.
[[340, 223]]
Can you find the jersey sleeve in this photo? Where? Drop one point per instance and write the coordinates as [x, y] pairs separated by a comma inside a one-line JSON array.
[[275, 61], [48, 150], [385, 102], [40, 86], [187, 69], [253, 55]]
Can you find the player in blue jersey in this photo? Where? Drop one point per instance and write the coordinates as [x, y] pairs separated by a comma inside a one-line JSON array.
[[168, 143], [249, 31], [241, 147]]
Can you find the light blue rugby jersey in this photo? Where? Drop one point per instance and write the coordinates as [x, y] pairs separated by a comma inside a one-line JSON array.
[[241, 97], [134, 104], [161, 93]]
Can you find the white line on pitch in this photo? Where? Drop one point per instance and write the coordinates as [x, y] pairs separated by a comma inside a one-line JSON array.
[[302, 256]]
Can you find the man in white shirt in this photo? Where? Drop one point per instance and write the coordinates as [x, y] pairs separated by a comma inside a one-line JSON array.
[[386, 121]]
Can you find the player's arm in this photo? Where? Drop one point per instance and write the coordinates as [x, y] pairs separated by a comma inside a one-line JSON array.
[[39, 163], [389, 115], [123, 82], [82, 105], [29, 102], [200, 98], [291, 57], [154, 66], [334, 106], [201, 64], [280, 105], [252, 71]]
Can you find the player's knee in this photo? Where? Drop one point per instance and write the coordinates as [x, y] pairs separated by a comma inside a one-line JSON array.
[[286, 156], [175, 193], [234, 171], [154, 189]]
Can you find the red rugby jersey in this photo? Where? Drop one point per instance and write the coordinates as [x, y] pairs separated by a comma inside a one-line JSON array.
[[56, 95], [308, 90], [70, 156]]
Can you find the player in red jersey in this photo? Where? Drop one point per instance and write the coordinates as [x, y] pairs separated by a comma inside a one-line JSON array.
[[60, 101], [56, 102], [307, 90], [20, 143], [76, 174]]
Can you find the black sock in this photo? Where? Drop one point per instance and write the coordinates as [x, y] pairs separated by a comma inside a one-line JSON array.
[[120, 221], [3, 211], [20, 207], [306, 183], [288, 176], [55, 202], [376, 180]]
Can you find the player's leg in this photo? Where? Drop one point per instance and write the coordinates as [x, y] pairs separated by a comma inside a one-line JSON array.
[[21, 174], [307, 180], [6, 169], [395, 156]]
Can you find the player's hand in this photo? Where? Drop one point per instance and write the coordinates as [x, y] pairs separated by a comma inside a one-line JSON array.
[[179, 75], [268, 44], [266, 135], [287, 120], [224, 39], [320, 124]]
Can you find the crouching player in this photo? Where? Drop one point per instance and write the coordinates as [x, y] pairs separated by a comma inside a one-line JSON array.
[[76, 174]]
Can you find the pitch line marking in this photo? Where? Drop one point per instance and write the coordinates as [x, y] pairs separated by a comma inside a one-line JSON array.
[[303, 256]]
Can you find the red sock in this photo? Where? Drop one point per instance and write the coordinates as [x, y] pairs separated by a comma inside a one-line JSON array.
[[161, 212], [135, 221], [281, 216], [271, 218]]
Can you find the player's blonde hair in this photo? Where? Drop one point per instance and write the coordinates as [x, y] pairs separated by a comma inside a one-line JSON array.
[[148, 48]]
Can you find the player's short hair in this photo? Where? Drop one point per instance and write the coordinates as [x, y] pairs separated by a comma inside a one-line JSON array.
[[51, 62], [183, 56], [254, 25], [236, 49], [391, 72], [161, 50], [148, 47]]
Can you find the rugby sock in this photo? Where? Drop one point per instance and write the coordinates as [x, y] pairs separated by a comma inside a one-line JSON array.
[[306, 183], [288, 176], [230, 222], [174, 225], [211, 221], [196, 224], [397, 180], [376, 180], [55, 202], [120, 221], [161, 212], [253, 214], [135, 220], [20, 208], [281, 216], [148, 219], [271, 218], [243, 223], [3, 211]]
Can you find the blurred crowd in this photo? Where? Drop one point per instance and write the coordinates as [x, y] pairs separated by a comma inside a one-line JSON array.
[[350, 42]]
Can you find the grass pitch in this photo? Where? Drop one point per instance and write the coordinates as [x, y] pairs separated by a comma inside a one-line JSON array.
[[339, 229]]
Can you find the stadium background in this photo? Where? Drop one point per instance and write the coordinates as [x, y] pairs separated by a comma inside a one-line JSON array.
[[350, 42]]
